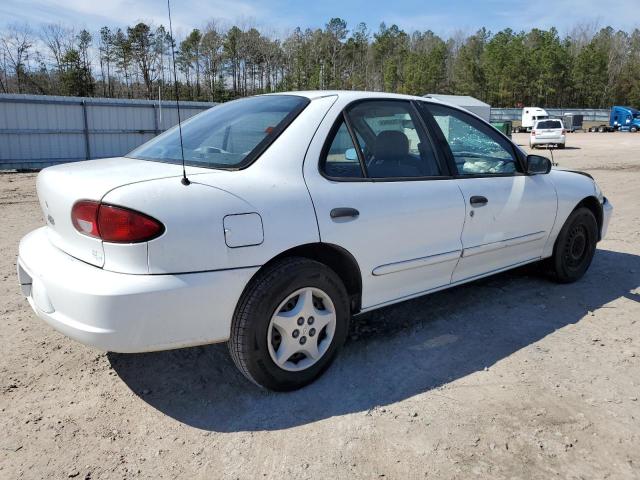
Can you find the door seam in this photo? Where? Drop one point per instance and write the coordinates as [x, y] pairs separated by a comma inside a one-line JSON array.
[[464, 223]]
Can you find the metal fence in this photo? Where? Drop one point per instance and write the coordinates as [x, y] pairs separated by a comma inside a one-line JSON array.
[[589, 114], [37, 131]]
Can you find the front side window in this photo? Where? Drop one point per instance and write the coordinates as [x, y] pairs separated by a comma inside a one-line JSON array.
[[230, 135], [476, 148]]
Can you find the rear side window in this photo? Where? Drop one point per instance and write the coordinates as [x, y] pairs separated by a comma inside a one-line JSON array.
[[231, 135], [391, 140], [341, 160], [549, 124], [391, 143]]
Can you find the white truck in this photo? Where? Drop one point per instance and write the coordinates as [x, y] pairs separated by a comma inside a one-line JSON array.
[[529, 117]]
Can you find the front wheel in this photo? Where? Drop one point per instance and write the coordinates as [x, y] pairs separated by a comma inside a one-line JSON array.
[[289, 324], [575, 246]]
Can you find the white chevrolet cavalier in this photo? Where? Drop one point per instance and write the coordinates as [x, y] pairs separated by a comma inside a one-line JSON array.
[[302, 210]]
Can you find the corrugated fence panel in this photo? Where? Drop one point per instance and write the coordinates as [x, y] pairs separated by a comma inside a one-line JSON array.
[[38, 131]]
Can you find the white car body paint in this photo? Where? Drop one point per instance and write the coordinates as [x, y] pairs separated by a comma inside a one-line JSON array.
[[511, 228], [181, 288], [123, 312]]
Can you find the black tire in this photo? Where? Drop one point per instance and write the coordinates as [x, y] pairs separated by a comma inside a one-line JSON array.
[[633, 129], [601, 129], [574, 247], [248, 340], [561, 145]]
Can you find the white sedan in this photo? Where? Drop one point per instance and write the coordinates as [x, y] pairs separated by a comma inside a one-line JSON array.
[[300, 210]]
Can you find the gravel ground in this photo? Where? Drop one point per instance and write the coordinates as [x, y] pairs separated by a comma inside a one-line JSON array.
[[508, 377]]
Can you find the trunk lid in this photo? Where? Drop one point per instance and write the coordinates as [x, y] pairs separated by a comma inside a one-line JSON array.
[[59, 187]]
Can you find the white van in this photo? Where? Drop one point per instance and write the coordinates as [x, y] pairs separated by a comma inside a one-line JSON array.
[[548, 132], [529, 117]]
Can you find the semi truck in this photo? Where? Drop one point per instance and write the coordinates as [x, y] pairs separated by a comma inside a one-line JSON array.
[[529, 117], [624, 119]]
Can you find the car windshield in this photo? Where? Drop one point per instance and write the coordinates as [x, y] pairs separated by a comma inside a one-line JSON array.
[[231, 135], [549, 124]]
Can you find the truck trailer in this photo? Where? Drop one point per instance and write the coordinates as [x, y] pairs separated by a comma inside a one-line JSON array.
[[572, 122]]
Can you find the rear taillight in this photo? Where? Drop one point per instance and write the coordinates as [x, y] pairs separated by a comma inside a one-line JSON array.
[[84, 216], [114, 224], [564, 132], [533, 132]]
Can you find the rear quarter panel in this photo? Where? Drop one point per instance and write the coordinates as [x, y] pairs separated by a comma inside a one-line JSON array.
[[273, 187]]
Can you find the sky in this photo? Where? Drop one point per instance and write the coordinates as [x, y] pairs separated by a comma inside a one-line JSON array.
[[280, 16]]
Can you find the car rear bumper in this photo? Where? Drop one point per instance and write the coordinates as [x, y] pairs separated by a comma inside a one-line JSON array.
[[127, 313], [548, 140]]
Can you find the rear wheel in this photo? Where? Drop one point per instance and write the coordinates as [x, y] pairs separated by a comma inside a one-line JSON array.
[[289, 324], [575, 246], [601, 129], [633, 129]]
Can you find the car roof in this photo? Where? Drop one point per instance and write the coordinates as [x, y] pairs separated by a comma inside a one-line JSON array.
[[358, 94], [548, 120]]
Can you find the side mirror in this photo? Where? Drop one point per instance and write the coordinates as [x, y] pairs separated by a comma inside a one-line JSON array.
[[351, 155], [537, 164]]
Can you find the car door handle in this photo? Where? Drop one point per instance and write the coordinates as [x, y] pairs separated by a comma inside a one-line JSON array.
[[478, 201], [344, 212]]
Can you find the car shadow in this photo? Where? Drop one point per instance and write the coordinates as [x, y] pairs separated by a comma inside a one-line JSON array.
[[392, 354], [542, 149], [555, 149]]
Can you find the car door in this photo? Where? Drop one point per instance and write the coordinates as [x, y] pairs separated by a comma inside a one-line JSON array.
[[382, 192], [509, 214]]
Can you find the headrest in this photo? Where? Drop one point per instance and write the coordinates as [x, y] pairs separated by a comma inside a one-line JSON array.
[[391, 144]]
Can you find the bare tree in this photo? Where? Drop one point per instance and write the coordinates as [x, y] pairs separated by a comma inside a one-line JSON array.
[[59, 39], [17, 42]]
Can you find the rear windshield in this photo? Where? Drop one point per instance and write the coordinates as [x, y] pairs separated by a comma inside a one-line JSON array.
[[231, 135], [549, 124]]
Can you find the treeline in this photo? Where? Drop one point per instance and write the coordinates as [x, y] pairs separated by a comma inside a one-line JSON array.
[[586, 68]]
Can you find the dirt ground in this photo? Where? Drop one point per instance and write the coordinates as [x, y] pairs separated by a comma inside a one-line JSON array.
[[509, 377]]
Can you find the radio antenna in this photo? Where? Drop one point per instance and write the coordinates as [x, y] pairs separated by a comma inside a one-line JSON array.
[[185, 180]]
